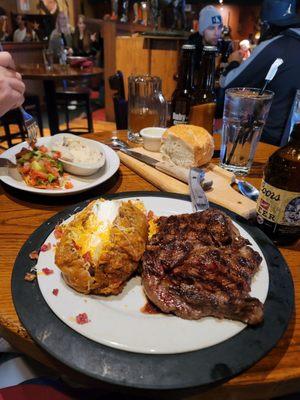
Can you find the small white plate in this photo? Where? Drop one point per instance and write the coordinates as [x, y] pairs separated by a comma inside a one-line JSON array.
[[117, 321], [80, 183]]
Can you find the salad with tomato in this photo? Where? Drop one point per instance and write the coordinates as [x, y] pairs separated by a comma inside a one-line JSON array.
[[41, 168]]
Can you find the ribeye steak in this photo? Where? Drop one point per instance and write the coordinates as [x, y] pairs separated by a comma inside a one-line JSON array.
[[199, 265]]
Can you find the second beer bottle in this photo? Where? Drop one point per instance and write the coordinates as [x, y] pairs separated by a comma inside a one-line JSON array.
[[183, 95], [203, 110]]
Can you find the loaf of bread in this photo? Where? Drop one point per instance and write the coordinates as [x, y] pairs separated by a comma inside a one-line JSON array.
[[187, 146]]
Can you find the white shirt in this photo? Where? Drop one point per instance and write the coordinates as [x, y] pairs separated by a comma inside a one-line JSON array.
[[20, 35]]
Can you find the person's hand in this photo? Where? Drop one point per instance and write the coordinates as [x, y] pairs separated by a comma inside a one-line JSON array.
[[94, 37], [12, 87], [235, 56]]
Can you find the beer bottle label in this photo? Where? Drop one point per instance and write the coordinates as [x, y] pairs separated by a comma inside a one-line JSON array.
[[278, 206], [179, 118]]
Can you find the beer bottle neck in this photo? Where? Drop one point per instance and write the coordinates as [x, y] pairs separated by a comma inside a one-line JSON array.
[[186, 71], [207, 73]]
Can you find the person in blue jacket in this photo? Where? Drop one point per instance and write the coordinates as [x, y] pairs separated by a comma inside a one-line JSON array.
[[281, 39]]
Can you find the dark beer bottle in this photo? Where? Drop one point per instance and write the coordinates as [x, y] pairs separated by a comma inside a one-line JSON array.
[[278, 205], [203, 110], [184, 92]]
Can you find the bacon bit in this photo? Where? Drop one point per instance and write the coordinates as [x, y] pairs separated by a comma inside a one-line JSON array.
[[34, 255], [82, 319], [87, 257], [45, 247], [55, 292], [47, 271], [29, 277], [69, 185], [58, 231], [77, 247]]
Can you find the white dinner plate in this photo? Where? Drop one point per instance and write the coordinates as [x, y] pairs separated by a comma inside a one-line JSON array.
[[80, 183], [117, 321]]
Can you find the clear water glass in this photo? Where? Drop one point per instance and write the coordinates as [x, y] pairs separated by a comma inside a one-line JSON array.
[[244, 117]]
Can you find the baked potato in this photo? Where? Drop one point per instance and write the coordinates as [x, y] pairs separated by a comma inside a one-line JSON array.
[[100, 248]]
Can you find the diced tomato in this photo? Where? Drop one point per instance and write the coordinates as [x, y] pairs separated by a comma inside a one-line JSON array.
[[56, 155], [43, 149], [50, 168], [38, 174], [47, 271], [55, 292], [45, 247], [25, 168], [69, 185], [82, 319], [48, 175], [47, 165], [31, 181], [87, 257], [55, 172]]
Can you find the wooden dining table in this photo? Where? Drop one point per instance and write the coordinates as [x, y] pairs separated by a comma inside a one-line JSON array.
[[49, 78], [278, 373]]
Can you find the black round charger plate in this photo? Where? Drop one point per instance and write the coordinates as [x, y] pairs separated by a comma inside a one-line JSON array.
[[186, 370]]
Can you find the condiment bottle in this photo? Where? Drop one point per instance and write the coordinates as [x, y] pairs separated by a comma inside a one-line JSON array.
[[203, 111], [183, 95], [278, 205]]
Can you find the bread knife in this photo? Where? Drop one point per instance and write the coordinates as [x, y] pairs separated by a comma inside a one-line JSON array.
[[166, 167]]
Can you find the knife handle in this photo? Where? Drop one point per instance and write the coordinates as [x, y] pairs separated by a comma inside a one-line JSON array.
[[173, 170]]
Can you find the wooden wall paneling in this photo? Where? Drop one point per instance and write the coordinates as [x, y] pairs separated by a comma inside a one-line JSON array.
[[76, 10], [132, 57], [164, 63], [249, 20], [109, 39], [133, 54], [95, 25]]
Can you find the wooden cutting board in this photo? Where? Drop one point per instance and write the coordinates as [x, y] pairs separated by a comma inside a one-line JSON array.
[[221, 192]]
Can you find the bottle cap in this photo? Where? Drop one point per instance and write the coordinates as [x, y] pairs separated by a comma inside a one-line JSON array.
[[188, 47]]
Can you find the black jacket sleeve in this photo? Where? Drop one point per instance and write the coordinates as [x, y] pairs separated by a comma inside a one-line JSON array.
[[252, 72]]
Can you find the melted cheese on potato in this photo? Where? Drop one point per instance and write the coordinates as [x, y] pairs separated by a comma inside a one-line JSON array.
[[91, 228], [92, 231]]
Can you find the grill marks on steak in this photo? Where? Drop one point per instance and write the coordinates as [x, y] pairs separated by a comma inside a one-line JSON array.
[[198, 265]]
